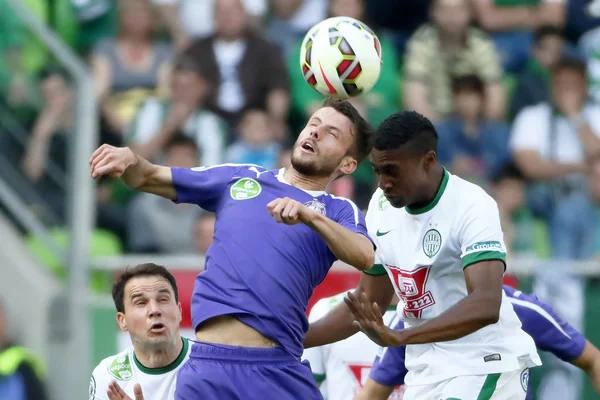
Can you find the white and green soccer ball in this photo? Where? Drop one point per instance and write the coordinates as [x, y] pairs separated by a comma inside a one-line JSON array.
[[341, 57]]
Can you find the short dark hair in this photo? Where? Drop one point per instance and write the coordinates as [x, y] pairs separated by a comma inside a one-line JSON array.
[[544, 31], [179, 139], [569, 63], [185, 63], [148, 269], [363, 143], [406, 128], [508, 171], [468, 83]]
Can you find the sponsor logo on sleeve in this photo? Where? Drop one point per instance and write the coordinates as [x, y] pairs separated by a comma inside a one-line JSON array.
[[491, 245], [244, 189], [525, 379], [121, 368], [382, 203]]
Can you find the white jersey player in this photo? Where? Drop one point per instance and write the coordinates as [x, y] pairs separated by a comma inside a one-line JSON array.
[[147, 305], [440, 245], [342, 368]]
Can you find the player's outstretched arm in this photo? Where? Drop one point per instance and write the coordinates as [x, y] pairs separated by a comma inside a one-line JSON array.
[[374, 391], [480, 308], [136, 172], [589, 361], [338, 323], [350, 247]]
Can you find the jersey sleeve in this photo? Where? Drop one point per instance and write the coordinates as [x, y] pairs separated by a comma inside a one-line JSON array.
[[317, 356], [548, 330], [372, 225], [99, 383], [203, 186], [350, 217], [480, 235], [388, 368]]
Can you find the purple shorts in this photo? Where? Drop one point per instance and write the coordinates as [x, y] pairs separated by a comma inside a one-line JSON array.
[[221, 372]]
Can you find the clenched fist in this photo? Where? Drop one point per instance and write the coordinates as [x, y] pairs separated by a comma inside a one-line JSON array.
[[111, 161], [289, 211]]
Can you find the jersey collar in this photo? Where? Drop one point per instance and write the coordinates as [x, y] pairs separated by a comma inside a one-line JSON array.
[[165, 369], [314, 193], [435, 200]]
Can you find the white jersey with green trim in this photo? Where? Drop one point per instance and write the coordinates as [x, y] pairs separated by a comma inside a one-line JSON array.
[[343, 367], [424, 252], [126, 370]]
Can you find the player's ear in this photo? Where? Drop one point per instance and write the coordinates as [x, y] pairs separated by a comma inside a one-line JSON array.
[[180, 310], [429, 159], [122, 321], [348, 165]]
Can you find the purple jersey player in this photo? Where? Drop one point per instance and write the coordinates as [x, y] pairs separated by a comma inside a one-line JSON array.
[[549, 332], [277, 233]]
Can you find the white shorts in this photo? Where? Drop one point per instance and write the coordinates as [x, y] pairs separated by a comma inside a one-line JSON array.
[[506, 386]]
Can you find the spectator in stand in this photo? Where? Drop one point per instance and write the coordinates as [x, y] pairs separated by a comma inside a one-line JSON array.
[[256, 144], [248, 71], [158, 225], [158, 119], [448, 48], [511, 22], [290, 20], [533, 84], [524, 235], [193, 19], [204, 229], [128, 68], [45, 160], [20, 370], [551, 143], [379, 102], [472, 146]]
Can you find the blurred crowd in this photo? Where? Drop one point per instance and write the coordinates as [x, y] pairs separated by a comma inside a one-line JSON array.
[[511, 85]]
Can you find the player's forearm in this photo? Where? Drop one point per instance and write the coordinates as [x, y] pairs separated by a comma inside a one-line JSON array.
[[333, 327], [147, 177], [374, 391], [589, 361], [472, 313], [350, 247]]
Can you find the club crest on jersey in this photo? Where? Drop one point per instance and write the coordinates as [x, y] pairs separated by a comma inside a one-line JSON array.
[[432, 242], [121, 368], [383, 202], [244, 189], [316, 205], [525, 379]]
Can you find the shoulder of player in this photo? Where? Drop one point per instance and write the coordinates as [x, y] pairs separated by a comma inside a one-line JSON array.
[[324, 305], [469, 196], [122, 359]]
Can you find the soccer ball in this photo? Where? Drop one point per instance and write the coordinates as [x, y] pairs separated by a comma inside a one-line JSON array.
[[340, 57]]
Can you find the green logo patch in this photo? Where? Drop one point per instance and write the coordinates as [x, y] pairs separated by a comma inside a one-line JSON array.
[[489, 245], [382, 203], [244, 189], [121, 368], [432, 242]]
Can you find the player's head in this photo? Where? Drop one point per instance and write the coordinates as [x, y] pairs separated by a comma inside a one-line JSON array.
[[335, 140], [403, 156], [148, 306]]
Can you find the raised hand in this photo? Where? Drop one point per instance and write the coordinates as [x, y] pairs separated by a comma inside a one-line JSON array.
[[115, 392], [369, 320], [111, 161]]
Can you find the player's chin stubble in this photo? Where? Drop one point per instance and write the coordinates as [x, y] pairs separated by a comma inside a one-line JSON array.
[[309, 167]]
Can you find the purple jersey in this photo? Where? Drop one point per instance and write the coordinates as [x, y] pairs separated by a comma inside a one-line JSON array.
[[259, 271], [549, 332]]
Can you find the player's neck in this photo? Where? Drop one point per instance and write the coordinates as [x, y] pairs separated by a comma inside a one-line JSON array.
[[153, 358], [303, 182], [432, 189]]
